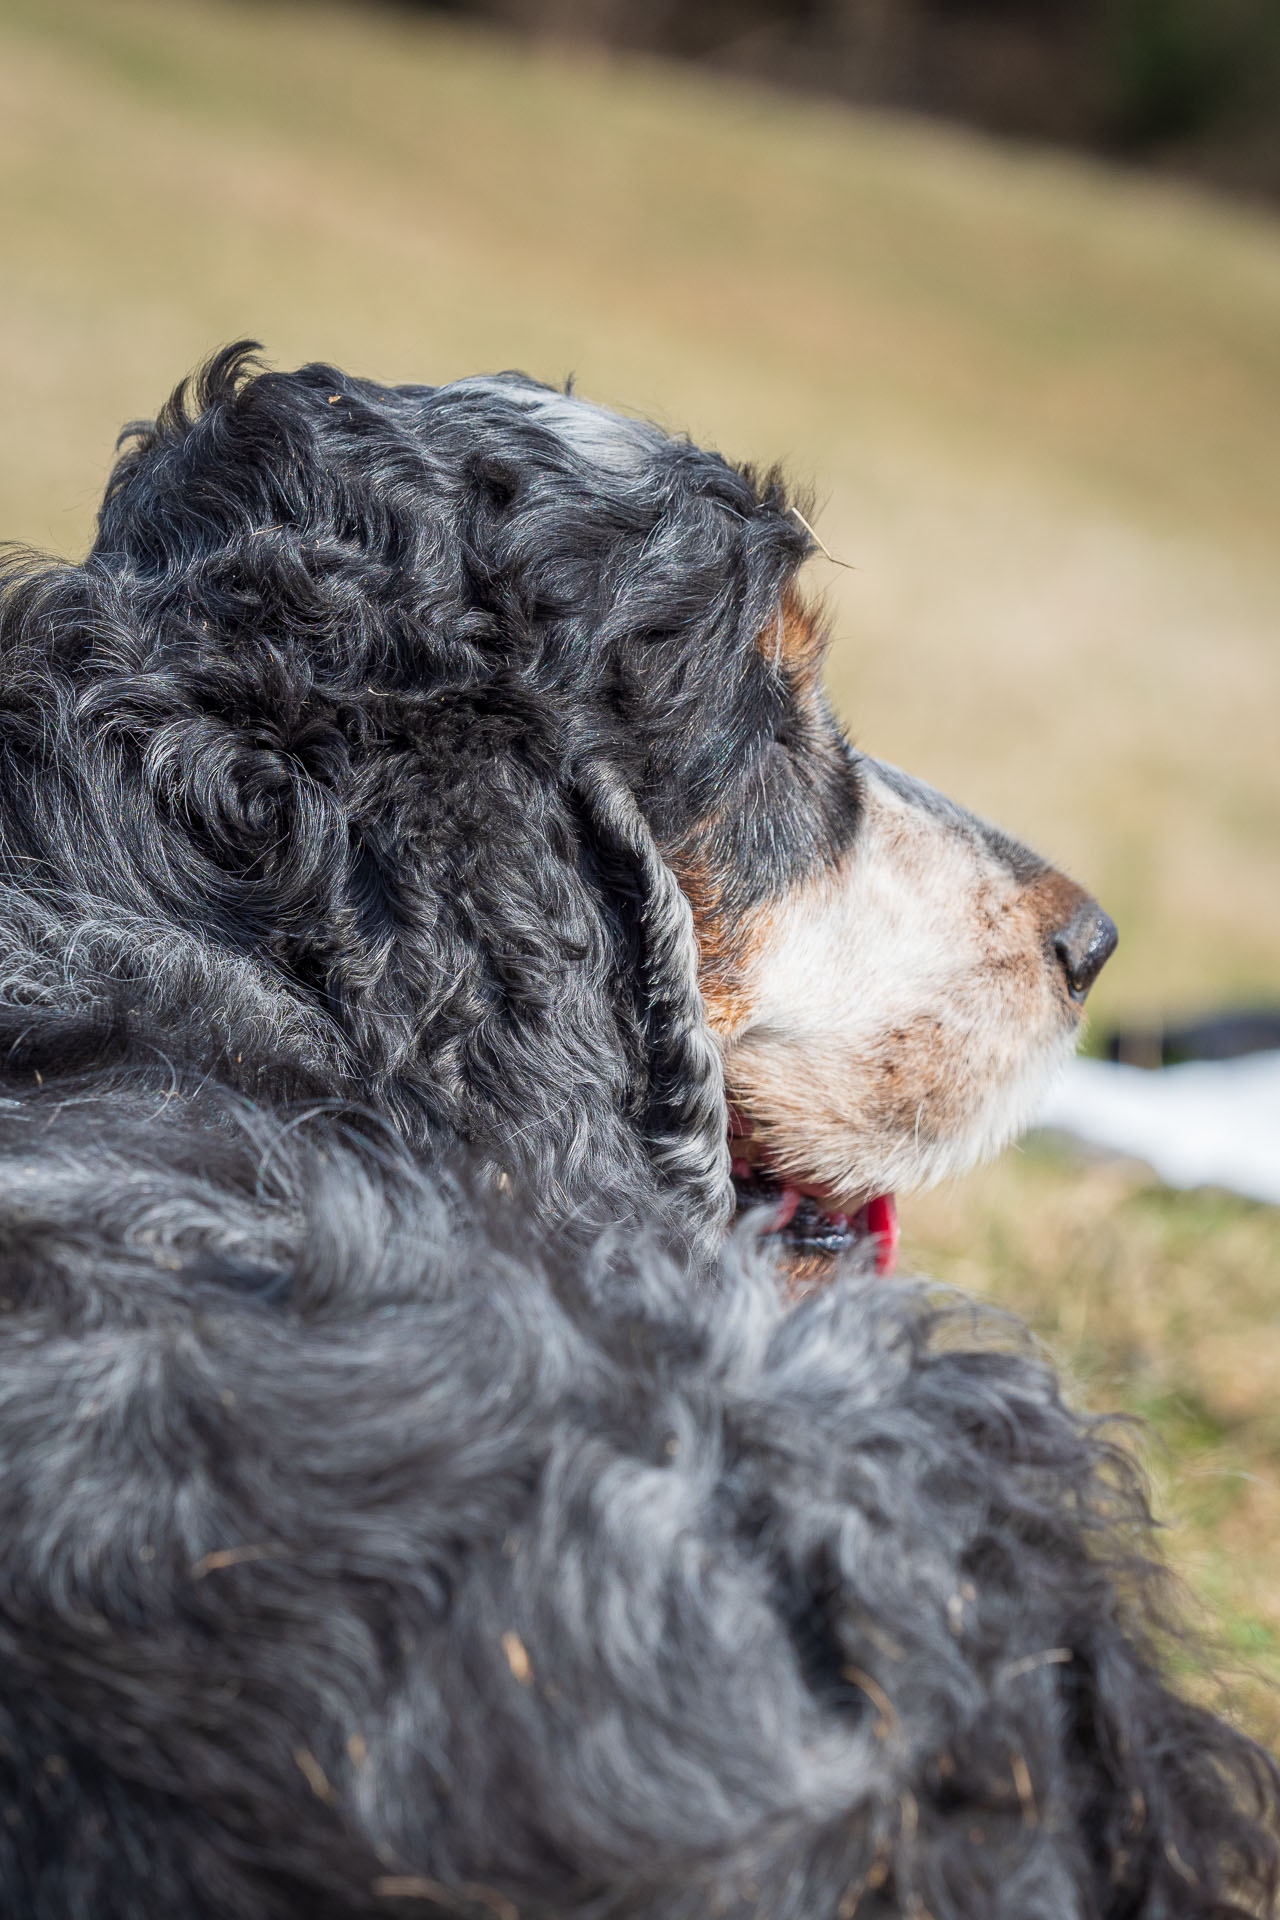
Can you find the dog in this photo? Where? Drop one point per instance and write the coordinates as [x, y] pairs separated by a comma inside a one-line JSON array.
[[467, 1012]]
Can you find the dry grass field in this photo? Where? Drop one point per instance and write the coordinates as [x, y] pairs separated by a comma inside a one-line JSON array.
[[1039, 405]]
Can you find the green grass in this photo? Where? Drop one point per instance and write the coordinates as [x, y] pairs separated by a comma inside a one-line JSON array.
[[1040, 403]]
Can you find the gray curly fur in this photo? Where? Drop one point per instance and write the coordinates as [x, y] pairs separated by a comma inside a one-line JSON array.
[[411, 1504]]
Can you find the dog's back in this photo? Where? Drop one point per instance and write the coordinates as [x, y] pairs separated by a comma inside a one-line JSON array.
[[361, 1549]]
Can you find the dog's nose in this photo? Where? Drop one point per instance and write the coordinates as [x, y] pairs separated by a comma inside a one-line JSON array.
[[1084, 946]]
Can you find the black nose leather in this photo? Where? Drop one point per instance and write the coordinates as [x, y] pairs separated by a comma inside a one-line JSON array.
[[1084, 946]]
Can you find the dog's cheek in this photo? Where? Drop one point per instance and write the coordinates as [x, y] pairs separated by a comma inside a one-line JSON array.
[[923, 1102], [730, 943]]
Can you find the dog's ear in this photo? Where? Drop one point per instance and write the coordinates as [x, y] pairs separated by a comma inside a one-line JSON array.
[[683, 1119]]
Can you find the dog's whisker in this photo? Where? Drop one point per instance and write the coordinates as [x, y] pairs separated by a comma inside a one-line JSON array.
[[823, 549]]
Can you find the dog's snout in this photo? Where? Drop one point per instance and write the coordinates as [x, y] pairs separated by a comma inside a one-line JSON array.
[[1084, 945]]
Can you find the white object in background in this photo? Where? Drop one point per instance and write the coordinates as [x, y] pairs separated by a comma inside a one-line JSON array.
[[1208, 1123]]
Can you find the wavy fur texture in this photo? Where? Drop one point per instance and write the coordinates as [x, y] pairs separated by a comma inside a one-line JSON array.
[[411, 1503]]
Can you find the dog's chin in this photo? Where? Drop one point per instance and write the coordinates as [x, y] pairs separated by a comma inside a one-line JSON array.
[[819, 1223]]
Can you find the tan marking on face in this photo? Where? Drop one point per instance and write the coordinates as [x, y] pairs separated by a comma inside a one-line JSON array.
[[906, 1012], [727, 948], [797, 639]]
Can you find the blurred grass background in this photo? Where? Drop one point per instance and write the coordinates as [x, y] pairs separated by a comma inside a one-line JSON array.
[[1039, 401]]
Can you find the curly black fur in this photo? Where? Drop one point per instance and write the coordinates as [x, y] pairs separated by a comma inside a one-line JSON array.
[[379, 1539]]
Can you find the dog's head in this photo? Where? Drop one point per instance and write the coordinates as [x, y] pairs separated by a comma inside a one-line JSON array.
[[894, 1011], [485, 729]]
